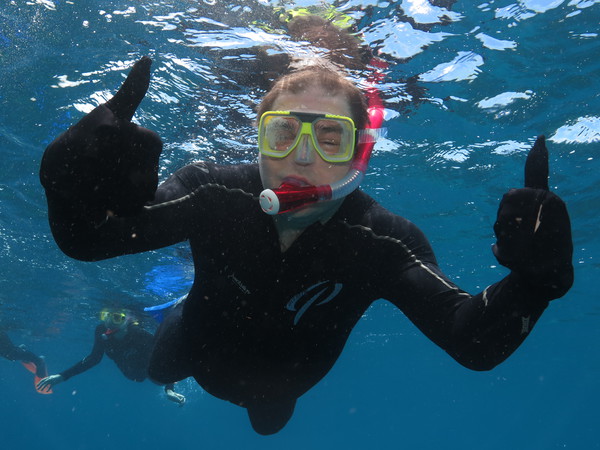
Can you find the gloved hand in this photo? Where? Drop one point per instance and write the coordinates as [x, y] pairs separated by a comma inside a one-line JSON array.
[[533, 231], [105, 161], [174, 396], [46, 384]]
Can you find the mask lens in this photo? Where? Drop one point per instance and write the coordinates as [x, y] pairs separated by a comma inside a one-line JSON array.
[[334, 138], [118, 318], [279, 134]]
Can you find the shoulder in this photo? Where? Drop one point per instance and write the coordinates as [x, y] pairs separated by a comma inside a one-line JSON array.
[[138, 336], [209, 176], [234, 175], [138, 330], [98, 332], [387, 228]]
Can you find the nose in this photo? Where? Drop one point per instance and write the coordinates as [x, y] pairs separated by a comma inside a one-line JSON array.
[[304, 153]]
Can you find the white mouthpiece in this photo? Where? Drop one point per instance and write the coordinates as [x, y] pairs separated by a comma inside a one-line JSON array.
[[269, 202]]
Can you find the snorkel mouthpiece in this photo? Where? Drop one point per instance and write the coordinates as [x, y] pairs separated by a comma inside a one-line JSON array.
[[289, 197], [108, 332]]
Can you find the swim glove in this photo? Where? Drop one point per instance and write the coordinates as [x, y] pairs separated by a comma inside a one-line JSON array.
[[105, 161], [533, 230]]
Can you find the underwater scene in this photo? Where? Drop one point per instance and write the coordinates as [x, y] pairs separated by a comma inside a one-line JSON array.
[[466, 89]]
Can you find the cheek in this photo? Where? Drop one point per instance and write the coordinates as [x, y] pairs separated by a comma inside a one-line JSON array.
[[331, 173], [266, 168]]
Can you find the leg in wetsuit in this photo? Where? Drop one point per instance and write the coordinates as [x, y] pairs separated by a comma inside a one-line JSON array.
[[171, 361], [13, 353], [270, 418]]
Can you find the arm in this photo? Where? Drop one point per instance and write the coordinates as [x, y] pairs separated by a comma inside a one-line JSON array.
[[533, 241], [155, 226], [89, 361], [20, 353], [9, 350], [478, 331], [105, 169], [46, 384]]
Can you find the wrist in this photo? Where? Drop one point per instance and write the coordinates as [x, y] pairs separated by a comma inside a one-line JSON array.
[[547, 284]]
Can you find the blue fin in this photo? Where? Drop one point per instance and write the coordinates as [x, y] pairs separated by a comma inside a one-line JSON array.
[[158, 311]]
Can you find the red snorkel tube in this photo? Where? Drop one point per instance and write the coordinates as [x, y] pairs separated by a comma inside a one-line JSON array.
[[289, 197]]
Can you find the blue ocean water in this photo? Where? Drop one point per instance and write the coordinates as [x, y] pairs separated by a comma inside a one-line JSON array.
[[491, 77]]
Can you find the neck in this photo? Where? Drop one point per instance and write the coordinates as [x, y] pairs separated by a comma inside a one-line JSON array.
[[120, 334], [290, 226]]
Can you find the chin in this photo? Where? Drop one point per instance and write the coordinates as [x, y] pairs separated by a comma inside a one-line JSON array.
[[310, 214]]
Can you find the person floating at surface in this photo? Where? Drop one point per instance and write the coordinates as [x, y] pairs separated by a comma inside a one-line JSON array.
[[275, 298], [120, 337], [32, 362]]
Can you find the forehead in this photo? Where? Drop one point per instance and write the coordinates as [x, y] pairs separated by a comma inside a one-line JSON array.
[[314, 100]]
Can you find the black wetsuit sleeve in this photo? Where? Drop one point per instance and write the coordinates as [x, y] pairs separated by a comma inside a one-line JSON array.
[[10, 351], [91, 360], [479, 331], [87, 234]]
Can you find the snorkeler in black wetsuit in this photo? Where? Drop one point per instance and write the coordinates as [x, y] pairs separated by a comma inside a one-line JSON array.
[[275, 298], [12, 352], [123, 341]]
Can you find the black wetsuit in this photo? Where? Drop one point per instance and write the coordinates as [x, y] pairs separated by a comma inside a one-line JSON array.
[[131, 353], [10, 351], [261, 327]]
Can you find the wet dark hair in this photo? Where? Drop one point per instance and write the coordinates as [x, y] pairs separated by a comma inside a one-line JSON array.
[[332, 81]]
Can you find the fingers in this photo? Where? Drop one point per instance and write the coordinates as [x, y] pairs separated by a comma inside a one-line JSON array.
[[43, 385], [536, 166], [129, 96], [175, 397]]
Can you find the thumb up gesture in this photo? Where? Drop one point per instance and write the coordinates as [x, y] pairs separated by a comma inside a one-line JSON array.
[[533, 231]]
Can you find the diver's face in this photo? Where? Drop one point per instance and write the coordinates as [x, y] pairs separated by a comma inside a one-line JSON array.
[[303, 166], [116, 323]]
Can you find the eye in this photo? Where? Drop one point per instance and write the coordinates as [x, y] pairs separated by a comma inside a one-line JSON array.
[[329, 135], [281, 133]]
